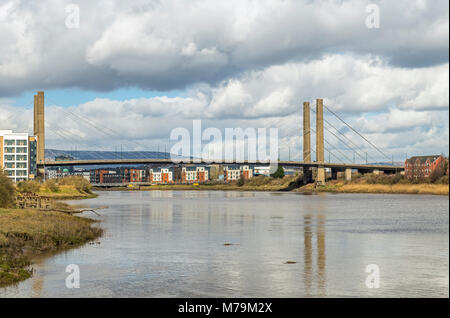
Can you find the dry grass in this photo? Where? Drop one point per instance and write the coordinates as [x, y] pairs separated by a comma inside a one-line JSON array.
[[65, 192], [259, 183], [341, 187], [24, 233]]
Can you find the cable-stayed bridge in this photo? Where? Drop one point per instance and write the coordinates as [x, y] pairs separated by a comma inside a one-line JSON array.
[[339, 158]]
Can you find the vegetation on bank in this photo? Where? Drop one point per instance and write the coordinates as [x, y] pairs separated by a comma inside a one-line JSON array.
[[258, 183], [26, 233], [71, 187], [371, 183]]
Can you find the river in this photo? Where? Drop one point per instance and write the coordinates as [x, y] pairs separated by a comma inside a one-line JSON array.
[[255, 244]]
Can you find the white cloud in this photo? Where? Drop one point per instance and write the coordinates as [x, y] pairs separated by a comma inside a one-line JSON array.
[[175, 44], [242, 63], [371, 96]]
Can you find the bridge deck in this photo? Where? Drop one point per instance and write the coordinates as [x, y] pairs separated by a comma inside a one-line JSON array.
[[338, 166]]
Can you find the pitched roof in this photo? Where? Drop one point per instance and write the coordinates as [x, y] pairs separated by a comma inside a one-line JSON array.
[[423, 159]]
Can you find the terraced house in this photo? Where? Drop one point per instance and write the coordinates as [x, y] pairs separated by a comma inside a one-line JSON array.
[[160, 176], [423, 166], [194, 174], [18, 155], [234, 172]]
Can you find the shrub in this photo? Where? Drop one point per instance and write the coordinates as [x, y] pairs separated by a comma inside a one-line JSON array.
[[7, 191], [259, 181], [51, 185], [241, 181], [279, 173], [438, 172], [442, 180], [80, 183], [29, 186]]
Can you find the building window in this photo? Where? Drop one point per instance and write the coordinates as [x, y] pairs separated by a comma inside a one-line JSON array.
[[21, 165], [21, 142]]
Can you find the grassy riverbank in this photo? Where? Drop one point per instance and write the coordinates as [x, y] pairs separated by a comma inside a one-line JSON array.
[[68, 188], [349, 187], [65, 192], [27, 233], [259, 183]]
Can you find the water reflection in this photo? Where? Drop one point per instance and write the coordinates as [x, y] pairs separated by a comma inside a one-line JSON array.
[[308, 275], [321, 258], [172, 243], [307, 251]]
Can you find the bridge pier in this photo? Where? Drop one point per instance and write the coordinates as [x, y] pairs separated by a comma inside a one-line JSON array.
[[320, 179], [348, 174]]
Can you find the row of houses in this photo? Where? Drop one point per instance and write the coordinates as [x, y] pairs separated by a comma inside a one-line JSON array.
[[171, 175]]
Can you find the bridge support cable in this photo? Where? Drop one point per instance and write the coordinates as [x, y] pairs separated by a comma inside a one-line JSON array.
[[77, 118], [65, 137], [359, 134], [69, 136], [344, 142], [328, 150], [101, 128], [334, 148]]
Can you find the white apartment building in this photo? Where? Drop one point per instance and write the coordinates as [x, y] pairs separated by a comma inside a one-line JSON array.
[[15, 158], [233, 173], [161, 175], [194, 174]]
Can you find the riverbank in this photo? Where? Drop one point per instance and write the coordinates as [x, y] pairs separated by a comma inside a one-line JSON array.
[[343, 187], [259, 183], [25, 234], [293, 183], [65, 192]]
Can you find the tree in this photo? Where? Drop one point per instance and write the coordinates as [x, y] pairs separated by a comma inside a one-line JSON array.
[[439, 171], [241, 180], [7, 191], [279, 173]]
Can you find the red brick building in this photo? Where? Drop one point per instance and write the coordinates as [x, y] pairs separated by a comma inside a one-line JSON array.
[[423, 166]]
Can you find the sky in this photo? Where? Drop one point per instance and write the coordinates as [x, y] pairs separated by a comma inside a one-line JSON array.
[[138, 69]]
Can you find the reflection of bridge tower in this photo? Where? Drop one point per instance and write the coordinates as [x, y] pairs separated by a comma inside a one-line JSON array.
[[39, 126], [308, 250]]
